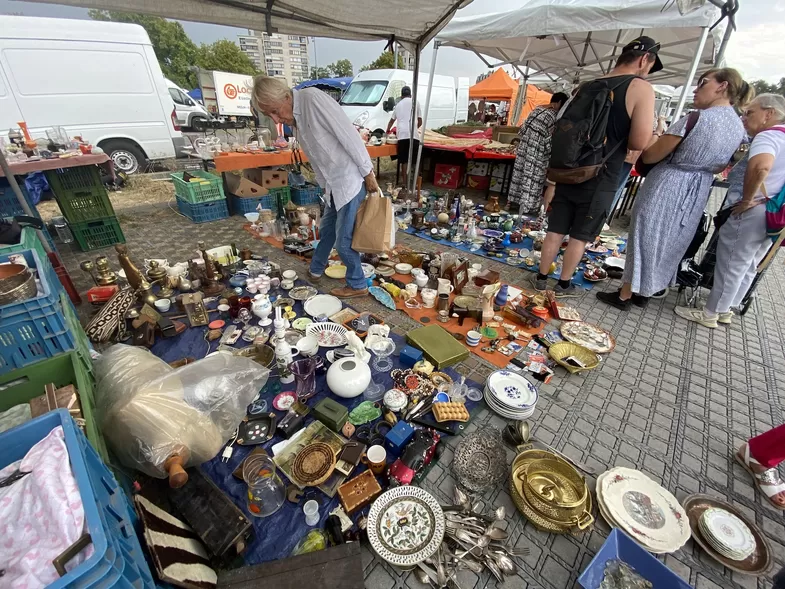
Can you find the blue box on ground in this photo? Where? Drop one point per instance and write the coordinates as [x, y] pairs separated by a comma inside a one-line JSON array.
[[397, 438], [620, 546], [117, 559], [9, 204], [204, 212], [410, 356]]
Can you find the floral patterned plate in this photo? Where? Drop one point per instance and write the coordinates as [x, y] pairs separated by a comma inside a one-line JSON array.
[[646, 511], [405, 525], [512, 389]]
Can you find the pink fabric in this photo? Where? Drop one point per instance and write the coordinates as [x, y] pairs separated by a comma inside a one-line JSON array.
[[769, 447], [40, 515]]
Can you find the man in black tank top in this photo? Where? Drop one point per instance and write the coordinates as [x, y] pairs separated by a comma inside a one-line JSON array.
[[580, 210]]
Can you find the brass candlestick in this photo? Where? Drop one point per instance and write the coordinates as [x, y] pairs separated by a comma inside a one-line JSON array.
[[106, 276], [210, 286]]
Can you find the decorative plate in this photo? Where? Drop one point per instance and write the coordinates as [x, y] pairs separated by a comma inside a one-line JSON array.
[[589, 336], [284, 401], [283, 302], [381, 295], [336, 271], [597, 249], [615, 262], [322, 304], [512, 390], [480, 460], [329, 335], [646, 511], [292, 336], [395, 399], [727, 534], [314, 464], [758, 563], [405, 525], [301, 323], [302, 293], [467, 302]]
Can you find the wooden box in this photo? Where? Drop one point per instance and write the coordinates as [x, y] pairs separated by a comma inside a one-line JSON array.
[[358, 492]]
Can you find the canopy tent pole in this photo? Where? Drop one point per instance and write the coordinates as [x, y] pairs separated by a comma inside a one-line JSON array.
[[9, 175], [412, 179], [691, 75], [432, 73], [395, 55]]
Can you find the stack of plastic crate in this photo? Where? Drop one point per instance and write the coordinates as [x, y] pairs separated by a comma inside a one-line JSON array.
[[85, 204], [201, 197]]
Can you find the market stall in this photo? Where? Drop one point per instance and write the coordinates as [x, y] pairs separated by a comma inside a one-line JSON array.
[[500, 86]]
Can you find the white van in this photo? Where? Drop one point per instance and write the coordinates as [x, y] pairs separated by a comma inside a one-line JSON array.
[[100, 80], [188, 112], [372, 95]]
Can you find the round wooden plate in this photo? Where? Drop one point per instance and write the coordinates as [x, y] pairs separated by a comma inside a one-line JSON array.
[[757, 563]]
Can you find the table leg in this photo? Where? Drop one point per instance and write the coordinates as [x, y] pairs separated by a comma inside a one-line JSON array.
[[378, 173]]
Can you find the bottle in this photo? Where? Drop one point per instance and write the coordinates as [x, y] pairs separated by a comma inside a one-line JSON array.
[[283, 351]]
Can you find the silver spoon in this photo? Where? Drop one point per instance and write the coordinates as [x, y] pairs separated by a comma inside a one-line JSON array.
[[441, 574], [505, 563], [494, 569], [525, 430], [423, 577]]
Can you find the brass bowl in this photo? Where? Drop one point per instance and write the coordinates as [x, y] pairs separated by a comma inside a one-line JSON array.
[[552, 483], [17, 283], [563, 350], [556, 520]]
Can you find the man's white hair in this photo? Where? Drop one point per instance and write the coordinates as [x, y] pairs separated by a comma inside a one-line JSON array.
[[269, 92]]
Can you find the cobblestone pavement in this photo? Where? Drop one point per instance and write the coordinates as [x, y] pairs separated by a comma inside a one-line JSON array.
[[673, 399]]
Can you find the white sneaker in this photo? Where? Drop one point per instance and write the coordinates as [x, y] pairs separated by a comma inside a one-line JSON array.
[[725, 318], [696, 315]]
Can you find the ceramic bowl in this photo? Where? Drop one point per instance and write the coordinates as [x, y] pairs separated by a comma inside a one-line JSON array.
[[308, 346], [289, 275], [395, 399], [252, 217], [403, 268], [348, 377], [417, 272]]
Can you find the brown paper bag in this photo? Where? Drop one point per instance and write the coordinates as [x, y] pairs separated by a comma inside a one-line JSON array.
[[373, 226]]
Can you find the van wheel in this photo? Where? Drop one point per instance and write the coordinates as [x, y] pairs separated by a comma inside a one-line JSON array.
[[126, 156], [197, 123]]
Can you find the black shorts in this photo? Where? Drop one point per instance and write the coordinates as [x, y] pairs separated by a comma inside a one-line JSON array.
[[403, 150], [579, 211]]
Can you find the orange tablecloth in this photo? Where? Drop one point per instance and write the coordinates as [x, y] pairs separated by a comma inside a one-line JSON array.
[[241, 161]]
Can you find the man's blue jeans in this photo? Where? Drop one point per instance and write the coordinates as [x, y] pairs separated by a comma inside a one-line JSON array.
[[337, 229], [626, 168]]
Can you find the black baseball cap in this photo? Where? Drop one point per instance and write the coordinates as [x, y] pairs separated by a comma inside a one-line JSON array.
[[646, 45]]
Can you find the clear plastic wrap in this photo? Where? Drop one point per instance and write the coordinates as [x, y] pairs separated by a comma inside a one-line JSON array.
[[150, 412]]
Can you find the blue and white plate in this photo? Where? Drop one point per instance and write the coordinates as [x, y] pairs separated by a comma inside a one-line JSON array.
[[512, 390]]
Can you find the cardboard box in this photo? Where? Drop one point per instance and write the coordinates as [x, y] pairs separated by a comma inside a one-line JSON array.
[[447, 176], [478, 182], [247, 185], [274, 178]]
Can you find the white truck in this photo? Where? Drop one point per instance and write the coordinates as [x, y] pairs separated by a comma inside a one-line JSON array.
[[226, 95], [100, 80], [372, 95]]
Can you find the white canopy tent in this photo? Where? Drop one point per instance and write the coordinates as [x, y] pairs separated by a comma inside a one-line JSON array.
[[571, 41]]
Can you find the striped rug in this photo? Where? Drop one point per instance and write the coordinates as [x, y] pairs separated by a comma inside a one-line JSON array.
[[179, 556]]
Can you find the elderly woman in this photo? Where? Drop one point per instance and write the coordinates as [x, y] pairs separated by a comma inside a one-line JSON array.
[[742, 239], [531, 158], [670, 204], [340, 161]]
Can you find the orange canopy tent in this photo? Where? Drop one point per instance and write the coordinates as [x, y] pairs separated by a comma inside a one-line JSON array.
[[500, 86]]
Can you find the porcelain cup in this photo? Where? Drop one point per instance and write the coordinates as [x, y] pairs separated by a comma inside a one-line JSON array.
[[411, 289], [421, 280]]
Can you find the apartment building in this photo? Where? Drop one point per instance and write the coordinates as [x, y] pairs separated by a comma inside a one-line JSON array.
[[279, 56]]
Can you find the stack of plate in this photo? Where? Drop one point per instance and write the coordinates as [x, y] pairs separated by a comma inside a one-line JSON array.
[[510, 394], [650, 514], [726, 533]]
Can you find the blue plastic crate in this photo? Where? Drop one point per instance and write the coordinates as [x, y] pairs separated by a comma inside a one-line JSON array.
[[40, 327], [204, 212], [621, 547], [307, 195], [9, 204], [117, 560]]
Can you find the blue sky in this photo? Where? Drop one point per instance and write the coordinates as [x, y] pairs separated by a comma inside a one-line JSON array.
[[755, 48]]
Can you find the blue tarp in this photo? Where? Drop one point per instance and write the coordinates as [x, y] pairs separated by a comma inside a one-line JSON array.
[[338, 83], [276, 535], [196, 94]]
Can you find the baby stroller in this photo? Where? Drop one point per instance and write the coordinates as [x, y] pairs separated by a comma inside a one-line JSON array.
[[691, 274]]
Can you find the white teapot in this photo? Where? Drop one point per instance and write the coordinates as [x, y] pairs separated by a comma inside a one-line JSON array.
[[262, 307]]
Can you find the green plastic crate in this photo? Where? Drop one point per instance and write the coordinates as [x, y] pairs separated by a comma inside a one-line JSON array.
[[198, 192], [28, 382], [80, 193], [75, 327], [29, 241], [93, 235]]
